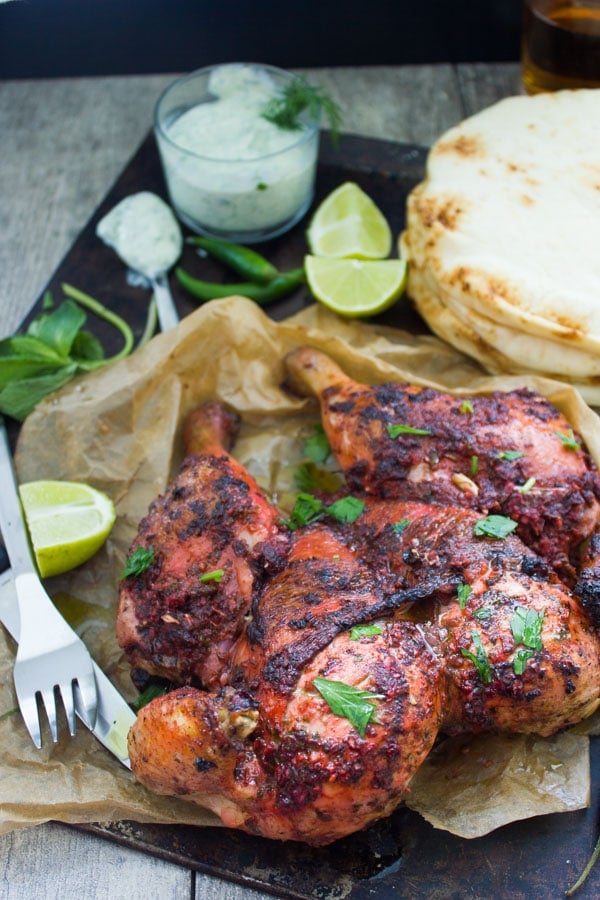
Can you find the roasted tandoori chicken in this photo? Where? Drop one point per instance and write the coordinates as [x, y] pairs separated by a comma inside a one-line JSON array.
[[319, 662]]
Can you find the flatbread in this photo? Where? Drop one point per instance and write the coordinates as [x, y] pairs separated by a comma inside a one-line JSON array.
[[503, 238]]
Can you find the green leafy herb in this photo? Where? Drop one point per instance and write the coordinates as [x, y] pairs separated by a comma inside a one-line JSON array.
[[216, 575], [398, 527], [526, 627], [479, 659], [510, 454], [310, 477], [316, 447], [138, 561], [150, 693], [474, 465], [308, 508], [520, 660], [261, 186], [463, 592], [494, 526], [395, 430], [466, 407], [348, 509], [284, 109], [349, 702], [569, 441], [525, 488], [360, 631], [482, 613], [53, 350]]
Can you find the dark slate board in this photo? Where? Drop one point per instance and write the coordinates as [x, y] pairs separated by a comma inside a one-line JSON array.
[[401, 857]]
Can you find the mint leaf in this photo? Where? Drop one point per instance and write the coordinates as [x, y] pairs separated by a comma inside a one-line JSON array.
[[348, 702], [494, 526]]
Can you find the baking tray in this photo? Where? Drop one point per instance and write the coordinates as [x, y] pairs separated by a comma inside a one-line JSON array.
[[402, 856]]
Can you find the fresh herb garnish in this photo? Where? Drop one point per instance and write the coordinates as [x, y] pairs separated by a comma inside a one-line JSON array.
[[526, 627], [479, 659], [474, 465], [284, 109], [310, 477], [216, 575], [463, 592], [150, 693], [138, 561], [494, 526], [395, 430], [53, 350], [466, 407], [510, 454], [346, 510], [525, 488], [359, 631], [261, 186], [316, 447], [349, 702], [520, 660], [399, 526], [308, 508], [569, 441], [482, 613]]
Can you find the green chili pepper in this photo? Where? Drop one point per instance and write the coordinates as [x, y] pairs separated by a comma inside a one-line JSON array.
[[247, 263], [262, 294]]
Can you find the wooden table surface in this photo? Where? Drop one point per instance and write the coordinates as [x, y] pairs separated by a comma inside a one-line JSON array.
[[63, 143]]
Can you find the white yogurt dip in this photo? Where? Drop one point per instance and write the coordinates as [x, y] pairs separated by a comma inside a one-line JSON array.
[[144, 233], [229, 171]]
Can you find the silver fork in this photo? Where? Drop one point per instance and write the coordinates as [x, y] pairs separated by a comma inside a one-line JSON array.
[[51, 658]]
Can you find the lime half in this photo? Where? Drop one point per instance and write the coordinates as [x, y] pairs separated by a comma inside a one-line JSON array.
[[68, 522], [356, 287], [349, 224]]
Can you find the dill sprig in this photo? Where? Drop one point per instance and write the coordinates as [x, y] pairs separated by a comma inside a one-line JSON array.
[[283, 109]]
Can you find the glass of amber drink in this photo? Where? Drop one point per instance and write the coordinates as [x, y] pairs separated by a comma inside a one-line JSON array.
[[560, 44]]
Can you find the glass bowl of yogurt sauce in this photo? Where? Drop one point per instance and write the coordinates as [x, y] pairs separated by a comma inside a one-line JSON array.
[[230, 172]]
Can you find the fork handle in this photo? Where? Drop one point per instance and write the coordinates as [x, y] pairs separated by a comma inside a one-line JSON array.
[[12, 523]]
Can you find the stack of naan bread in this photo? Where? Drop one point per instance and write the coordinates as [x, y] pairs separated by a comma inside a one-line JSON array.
[[503, 238]]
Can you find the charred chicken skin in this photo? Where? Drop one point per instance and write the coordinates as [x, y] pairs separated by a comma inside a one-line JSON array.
[[323, 662], [177, 618], [509, 453]]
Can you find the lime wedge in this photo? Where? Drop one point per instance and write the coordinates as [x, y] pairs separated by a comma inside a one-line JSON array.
[[356, 287], [68, 522], [349, 224]]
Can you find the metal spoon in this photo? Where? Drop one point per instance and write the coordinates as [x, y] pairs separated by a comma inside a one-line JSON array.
[[146, 236]]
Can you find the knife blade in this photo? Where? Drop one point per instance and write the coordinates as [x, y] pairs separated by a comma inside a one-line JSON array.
[[115, 717]]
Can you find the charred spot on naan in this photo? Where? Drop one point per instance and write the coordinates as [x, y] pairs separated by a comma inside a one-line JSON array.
[[462, 145]]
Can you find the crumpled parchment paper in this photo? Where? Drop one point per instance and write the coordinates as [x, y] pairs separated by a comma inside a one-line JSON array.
[[119, 430]]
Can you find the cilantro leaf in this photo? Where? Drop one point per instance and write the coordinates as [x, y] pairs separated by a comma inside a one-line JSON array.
[[349, 702], [359, 631], [526, 627], [348, 509], [138, 561], [216, 575], [463, 592], [316, 448], [494, 526], [520, 660], [150, 693], [479, 659], [510, 454], [395, 430], [466, 407], [569, 441], [399, 526]]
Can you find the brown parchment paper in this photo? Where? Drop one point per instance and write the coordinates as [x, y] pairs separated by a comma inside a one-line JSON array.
[[119, 430]]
